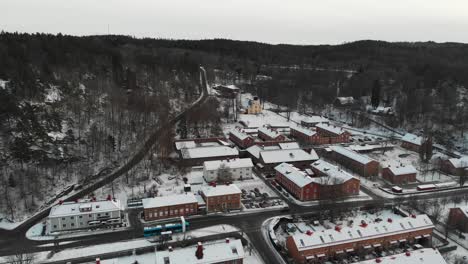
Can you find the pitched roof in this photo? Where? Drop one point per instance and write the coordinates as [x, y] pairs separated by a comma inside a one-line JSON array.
[[330, 128], [411, 138], [336, 174], [401, 169], [460, 163], [305, 131], [294, 174], [351, 154], [220, 190], [239, 134], [420, 256], [269, 132], [72, 208], [207, 152], [169, 200], [231, 164], [332, 237], [287, 155]]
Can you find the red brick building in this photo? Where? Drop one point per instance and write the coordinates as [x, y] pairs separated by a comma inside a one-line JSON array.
[[222, 198], [359, 238], [241, 139], [306, 135], [457, 167], [330, 134], [354, 161], [458, 217], [411, 142], [170, 206], [399, 174], [268, 134], [269, 159], [306, 188]]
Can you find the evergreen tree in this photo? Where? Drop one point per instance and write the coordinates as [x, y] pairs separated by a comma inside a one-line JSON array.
[[375, 97]]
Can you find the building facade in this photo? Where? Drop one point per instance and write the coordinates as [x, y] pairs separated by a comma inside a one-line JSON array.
[[458, 218], [306, 188], [236, 169], [222, 198], [170, 206], [85, 214], [330, 134], [241, 139], [359, 239], [354, 161], [399, 174]]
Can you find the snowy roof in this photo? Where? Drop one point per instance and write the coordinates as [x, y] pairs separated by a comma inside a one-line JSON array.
[[289, 145], [239, 134], [72, 208], [459, 163], [231, 164], [220, 190], [402, 169], [345, 100], [315, 119], [351, 154], [305, 131], [169, 200], [206, 152], [255, 150], [287, 155], [330, 128], [332, 237], [269, 132], [411, 138], [213, 252], [369, 147], [332, 171], [420, 256], [294, 174], [185, 144]]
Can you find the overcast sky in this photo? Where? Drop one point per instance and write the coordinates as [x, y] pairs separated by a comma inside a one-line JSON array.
[[272, 21]]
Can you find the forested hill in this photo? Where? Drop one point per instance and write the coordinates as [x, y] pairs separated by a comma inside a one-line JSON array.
[[72, 106]]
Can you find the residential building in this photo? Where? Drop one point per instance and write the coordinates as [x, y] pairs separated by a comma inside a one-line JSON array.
[[305, 134], [456, 166], [359, 163], [458, 218], [254, 107], [170, 206], [222, 197], [300, 158], [268, 134], [305, 188], [399, 173], [84, 214], [241, 139], [238, 169], [419, 256], [214, 252], [334, 181], [330, 134], [196, 156], [312, 121], [359, 238], [411, 142]]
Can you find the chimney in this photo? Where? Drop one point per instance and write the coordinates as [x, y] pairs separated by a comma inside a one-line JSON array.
[[199, 252], [227, 240], [98, 261], [170, 249]]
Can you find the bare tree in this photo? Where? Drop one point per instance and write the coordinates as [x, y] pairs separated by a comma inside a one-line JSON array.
[[21, 259], [224, 173]]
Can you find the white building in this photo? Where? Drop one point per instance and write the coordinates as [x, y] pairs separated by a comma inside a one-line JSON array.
[[238, 168], [77, 215], [228, 251]]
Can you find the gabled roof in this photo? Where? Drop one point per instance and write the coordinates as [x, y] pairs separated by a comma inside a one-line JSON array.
[[401, 169], [207, 152], [287, 155], [269, 132], [459, 163], [336, 174], [231, 164], [305, 131], [169, 200], [220, 190], [411, 138], [332, 237], [351, 154], [294, 174], [239, 134], [330, 128]]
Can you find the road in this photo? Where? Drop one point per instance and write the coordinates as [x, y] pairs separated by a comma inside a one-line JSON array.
[[16, 237]]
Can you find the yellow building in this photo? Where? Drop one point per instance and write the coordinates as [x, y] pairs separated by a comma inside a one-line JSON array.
[[254, 107]]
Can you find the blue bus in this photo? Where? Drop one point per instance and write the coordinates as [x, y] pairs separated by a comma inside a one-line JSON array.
[[182, 226]]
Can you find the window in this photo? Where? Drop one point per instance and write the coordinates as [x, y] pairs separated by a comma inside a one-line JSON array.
[[63, 218], [107, 213], [55, 226], [72, 217], [64, 225], [80, 216], [72, 224]]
